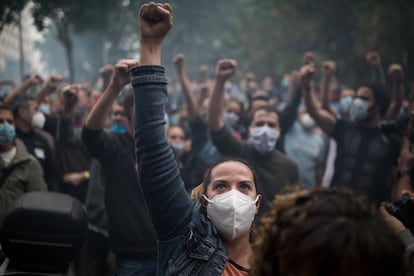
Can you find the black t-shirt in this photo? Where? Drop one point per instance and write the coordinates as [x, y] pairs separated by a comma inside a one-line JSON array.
[[364, 159], [129, 223]]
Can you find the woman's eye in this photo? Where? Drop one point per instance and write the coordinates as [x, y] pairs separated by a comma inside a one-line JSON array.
[[245, 187], [220, 186]]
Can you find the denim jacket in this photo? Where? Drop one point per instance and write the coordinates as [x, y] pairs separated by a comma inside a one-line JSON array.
[[188, 244]]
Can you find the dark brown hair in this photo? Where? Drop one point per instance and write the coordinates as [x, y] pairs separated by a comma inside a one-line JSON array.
[[326, 232], [207, 174]]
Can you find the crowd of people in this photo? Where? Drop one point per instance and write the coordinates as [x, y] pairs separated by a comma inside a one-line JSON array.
[[214, 177]]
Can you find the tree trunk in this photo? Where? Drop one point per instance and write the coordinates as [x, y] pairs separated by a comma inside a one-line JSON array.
[[63, 35], [21, 48]]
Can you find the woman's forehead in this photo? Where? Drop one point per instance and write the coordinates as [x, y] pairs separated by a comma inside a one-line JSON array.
[[230, 168]]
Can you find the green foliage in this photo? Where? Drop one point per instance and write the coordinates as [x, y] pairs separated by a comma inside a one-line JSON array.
[[10, 11], [267, 37]]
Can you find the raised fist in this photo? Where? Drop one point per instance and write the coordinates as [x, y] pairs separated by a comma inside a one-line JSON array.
[[373, 58], [53, 83], [226, 68], [308, 58], [155, 22], [34, 80], [328, 67], [70, 96], [179, 61], [106, 71], [306, 76], [396, 71], [121, 76]]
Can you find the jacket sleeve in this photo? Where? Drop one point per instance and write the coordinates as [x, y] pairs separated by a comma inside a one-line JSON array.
[[168, 202], [290, 113], [25, 178], [35, 180], [227, 144]]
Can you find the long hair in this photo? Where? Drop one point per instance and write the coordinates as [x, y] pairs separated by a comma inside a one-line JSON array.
[[326, 232]]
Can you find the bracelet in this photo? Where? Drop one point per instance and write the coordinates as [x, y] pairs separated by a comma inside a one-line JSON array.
[[86, 174]]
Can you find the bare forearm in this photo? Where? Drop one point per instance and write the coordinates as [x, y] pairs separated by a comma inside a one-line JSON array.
[[150, 53], [17, 91], [97, 118], [398, 92], [326, 98], [322, 117], [215, 107], [289, 92], [188, 93]]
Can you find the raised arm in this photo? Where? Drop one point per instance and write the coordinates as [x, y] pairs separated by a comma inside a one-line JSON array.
[[224, 70], [50, 87], [396, 74], [377, 71], [328, 70], [323, 118], [168, 202], [192, 107], [405, 168], [106, 73], [33, 80], [97, 118]]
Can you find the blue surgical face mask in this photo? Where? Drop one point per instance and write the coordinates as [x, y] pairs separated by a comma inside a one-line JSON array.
[[7, 134], [359, 110], [346, 103], [45, 109], [173, 119], [285, 83], [118, 128]]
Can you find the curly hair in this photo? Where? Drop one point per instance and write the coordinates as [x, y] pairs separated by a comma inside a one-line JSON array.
[[326, 232]]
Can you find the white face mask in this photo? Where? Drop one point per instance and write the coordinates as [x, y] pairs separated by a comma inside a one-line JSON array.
[[359, 110], [231, 118], [307, 121], [231, 213], [178, 148], [263, 138], [38, 119]]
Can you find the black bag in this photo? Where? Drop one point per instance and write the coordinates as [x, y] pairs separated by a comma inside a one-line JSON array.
[[44, 231]]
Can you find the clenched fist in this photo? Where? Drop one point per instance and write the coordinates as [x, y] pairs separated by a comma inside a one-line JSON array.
[[155, 21], [121, 76], [226, 68], [306, 76]]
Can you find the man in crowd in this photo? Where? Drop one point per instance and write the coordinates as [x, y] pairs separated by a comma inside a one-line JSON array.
[[364, 155], [274, 170], [132, 236], [20, 172]]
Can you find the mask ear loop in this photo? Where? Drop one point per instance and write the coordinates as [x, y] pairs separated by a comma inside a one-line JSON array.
[[257, 199], [206, 198]]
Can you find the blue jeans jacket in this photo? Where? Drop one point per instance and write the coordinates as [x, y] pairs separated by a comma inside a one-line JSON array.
[[188, 244]]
